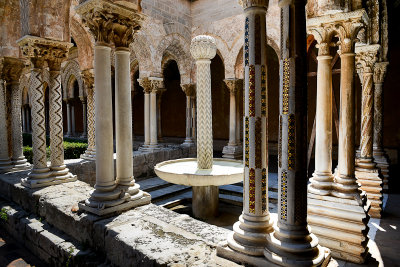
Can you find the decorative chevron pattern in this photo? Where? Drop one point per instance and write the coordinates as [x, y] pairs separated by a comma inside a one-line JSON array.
[[3, 128], [38, 120], [204, 117], [367, 118], [56, 120], [16, 123], [91, 120]]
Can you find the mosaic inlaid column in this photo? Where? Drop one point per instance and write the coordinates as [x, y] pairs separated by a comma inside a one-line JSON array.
[[5, 161], [84, 116], [12, 71], [88, 79], [58, 168], [292, 243], [339, 219], [232, 150], [189, 90], [250, 232], [111, 23], [380, 157], [145, 83], [366, 171], [69, 123], [40, 175], [322, 179]]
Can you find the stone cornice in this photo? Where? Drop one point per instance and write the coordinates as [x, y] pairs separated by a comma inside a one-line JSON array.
[[189, 89], [366, 57], [44, 49], [357, 15], [12, 69], [110, 22], [380, 69], [253, 3]]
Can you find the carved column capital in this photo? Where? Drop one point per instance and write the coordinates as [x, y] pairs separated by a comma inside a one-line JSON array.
[[233, 85], [323, 34], [145, 83], [156, 84], [12, 69], [111, 22], [366, 57], [39, 50], [380, 69], [189, 89], [253, 3], [203, 47], [88, 79]]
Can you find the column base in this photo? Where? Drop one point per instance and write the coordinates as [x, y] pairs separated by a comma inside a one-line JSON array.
[[150, 148], [232, 152], [382, 162], [139, 199], [205, 200], [84, 136], [371, 182], [5, 165], [90, 154], [21, 164], [188, 142], [340, 225]]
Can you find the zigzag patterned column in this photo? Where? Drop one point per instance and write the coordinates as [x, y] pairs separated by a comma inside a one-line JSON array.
[[58, 168], [88, 78], [292, 243], [250, 232], [5, 162], [366, 171]]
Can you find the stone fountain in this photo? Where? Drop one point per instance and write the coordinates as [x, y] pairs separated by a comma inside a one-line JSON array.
[[203, 173]]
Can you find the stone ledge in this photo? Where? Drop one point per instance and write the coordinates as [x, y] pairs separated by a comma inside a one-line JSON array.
[[148, 235]]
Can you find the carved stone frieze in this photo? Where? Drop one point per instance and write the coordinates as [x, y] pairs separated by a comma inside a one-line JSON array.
[[380, 69], [110, 22], [39, 49]]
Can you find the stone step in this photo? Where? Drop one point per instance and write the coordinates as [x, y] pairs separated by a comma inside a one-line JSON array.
[[168, 192], [152, 184]]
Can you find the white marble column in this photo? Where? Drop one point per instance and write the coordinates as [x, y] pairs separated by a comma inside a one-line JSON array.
[[23, 119], [233, 150], [146, 85], [322, 178], [88, 77], [189, 90], [380, 157], [250, 233], [194, 118], [160, 92], [366, 171], [73, 120], [339, 219], [5, 161], [292, 243], [156, 84], [84, 114], [60, 172], [69, 123], [239, 115]]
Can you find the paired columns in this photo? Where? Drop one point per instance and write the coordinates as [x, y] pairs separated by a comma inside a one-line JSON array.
[[88, 78], [380, 157], [112, 24], [151, 86], [367, 172], [337, 207], [12, 69], [234, 149], [190, 92], [39, 50]]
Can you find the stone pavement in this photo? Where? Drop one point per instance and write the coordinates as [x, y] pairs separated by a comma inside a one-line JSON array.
[[13, 254]]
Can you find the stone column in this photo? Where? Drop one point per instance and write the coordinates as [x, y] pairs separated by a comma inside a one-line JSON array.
[[69, 124], [109, 23], [146, 85], [239, 115], [23, 119], [88, 78], [339, 219], [189, 90], [156, 84], [292, 243], [380, 157], [250, 233], [11, 72], [58, 168], [194, 118], [5, 161], [160, 92], [84, 112], [73, 119], [366, 172], [203, 49], [232, 150], [322, 180]]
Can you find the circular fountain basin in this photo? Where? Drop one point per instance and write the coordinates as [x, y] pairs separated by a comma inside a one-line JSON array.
[[185, 172]]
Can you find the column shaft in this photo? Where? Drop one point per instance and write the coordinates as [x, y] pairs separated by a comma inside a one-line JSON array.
[[367, 116], [123, 118], [69, 125], [5, 162], [232, 119], [188, 118], [84, 113], [153, 118], [73, 120], [147, 118], [23, 119], [91, 121]]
